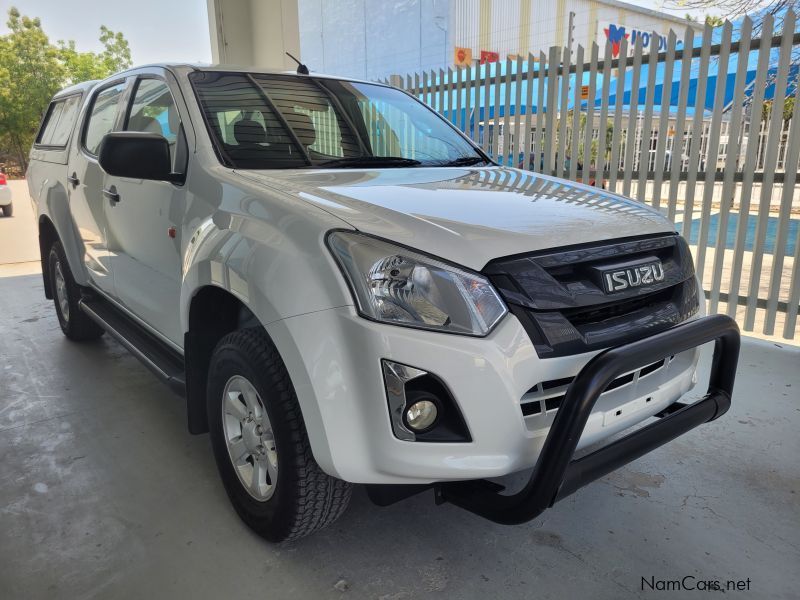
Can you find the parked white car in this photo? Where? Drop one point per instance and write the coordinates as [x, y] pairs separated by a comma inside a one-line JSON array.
[[6, 206], [347, 290]]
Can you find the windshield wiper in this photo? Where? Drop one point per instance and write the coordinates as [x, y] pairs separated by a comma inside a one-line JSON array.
[[370, 161], [464, 161]]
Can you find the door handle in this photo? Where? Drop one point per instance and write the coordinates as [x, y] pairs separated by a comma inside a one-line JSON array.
[[111, 194], [73, 180]]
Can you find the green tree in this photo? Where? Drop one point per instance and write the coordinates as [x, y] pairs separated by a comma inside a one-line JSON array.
[[30, 73], [788, 109], [84, 66], [594, 147], [32, 69]]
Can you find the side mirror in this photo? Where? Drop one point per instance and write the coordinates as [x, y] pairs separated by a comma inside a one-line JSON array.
[[137, 154]]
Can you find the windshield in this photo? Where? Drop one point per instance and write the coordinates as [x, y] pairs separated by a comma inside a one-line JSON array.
[[262, 121]]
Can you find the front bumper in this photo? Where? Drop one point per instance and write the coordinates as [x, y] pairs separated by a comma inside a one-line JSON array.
[[556, 474], [5, 195], [334, 359]]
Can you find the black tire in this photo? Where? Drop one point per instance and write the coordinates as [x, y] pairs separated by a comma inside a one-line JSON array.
[[76, 325], [305, 499], [8, 210]]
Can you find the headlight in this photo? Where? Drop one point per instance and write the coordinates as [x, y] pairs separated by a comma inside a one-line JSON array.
[[399, 286]]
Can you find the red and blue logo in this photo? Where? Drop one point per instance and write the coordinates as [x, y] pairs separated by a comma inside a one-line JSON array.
[[615, 35]]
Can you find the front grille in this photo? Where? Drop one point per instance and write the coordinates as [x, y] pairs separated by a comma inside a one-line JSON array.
[[585, 316], [547, 396], [560, 299]]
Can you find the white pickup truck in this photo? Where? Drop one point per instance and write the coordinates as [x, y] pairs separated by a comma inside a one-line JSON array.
[[347, 290]]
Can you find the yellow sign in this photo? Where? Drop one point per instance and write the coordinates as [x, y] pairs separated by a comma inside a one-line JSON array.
[[584, 92], [462, 56]]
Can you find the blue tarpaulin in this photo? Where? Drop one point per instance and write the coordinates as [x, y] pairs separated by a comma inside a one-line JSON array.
[[692, 101]]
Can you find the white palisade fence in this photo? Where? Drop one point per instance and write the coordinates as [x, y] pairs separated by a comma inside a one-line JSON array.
[[707, 131]]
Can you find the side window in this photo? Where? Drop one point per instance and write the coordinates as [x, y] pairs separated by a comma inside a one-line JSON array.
[[153, 110], [59, 122], [102, 116], [50, 122], [67, 121]]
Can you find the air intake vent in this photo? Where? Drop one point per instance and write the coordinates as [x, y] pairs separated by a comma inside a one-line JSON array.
[[547, 396]]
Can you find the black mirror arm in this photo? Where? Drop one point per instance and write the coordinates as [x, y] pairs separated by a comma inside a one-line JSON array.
[[176, 178]]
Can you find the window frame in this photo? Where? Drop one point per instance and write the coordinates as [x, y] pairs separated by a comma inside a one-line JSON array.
[[45, 119], [87, 115], [130, 98], [135, 88]]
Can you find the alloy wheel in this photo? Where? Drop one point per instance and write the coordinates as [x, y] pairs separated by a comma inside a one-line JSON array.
[[249, 438]]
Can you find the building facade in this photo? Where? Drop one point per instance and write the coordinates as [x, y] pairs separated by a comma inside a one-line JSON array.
[[376, 38]]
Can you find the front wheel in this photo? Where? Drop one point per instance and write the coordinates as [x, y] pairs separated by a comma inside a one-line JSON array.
[[8, 210], [261, 445]]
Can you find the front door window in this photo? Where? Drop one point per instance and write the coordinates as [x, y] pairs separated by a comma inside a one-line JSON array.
[[153, 110]]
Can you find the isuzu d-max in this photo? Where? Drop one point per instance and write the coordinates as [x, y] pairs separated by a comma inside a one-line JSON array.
[[347, 290]]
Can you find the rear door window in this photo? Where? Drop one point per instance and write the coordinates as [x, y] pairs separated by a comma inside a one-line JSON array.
[[58, 123], [102, 116]]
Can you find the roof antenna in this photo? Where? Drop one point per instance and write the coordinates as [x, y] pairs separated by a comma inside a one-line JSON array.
[[301, 68]]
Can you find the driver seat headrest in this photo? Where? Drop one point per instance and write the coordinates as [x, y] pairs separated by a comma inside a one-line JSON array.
[[248, 131]]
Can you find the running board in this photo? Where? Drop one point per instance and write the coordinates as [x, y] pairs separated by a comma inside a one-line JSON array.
[[163, 361]]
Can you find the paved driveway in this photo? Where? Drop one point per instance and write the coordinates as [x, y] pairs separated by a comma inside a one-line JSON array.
[[18, 234]]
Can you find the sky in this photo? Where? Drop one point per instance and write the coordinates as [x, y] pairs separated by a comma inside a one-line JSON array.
[[158, 30]]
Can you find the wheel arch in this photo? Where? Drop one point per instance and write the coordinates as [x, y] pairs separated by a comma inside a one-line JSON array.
[[55, 222], [213, 312], [47, 236]]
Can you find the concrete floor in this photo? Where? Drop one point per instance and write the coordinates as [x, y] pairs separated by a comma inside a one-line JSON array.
[[18, 234], [104, 494]]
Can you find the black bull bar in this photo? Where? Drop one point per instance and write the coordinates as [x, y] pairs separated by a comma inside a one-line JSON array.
[[556, 474]]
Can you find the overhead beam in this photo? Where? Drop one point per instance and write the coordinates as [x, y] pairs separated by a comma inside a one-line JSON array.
[[254, 32]]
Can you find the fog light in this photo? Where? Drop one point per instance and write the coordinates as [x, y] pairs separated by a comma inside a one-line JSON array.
[[421, 407], [421, 415]]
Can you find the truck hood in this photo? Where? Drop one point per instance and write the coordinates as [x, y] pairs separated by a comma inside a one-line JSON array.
[[468, 215]]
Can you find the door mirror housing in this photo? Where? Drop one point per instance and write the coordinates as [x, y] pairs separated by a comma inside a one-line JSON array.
[[138, 155]]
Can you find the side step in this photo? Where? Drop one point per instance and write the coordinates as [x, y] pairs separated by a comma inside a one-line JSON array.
[[163, 361]]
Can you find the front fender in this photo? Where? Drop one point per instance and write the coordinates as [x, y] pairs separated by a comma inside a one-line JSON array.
[[273, 258], [275, 273]]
